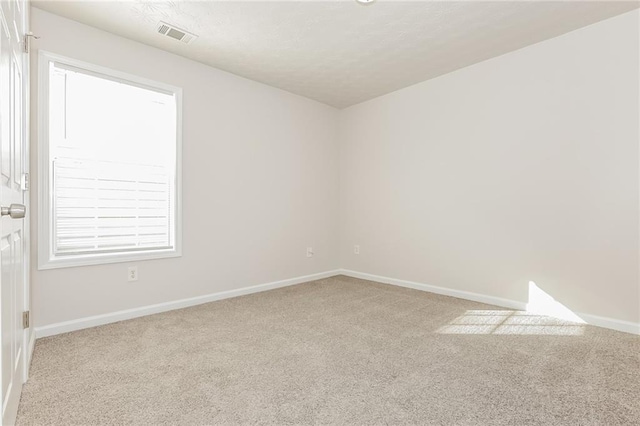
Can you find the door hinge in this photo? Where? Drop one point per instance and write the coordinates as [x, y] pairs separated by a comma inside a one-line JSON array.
[[26, 41], [25, 182], [25, 319]]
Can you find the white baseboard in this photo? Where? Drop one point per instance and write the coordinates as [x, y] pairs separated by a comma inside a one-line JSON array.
[[476, 297], [29, 355], [611, 323], [93, 321], [32, 345]]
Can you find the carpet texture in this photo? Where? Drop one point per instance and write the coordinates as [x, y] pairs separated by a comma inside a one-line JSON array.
[[336, 351]]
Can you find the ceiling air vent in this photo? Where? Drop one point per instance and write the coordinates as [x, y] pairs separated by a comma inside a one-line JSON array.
[[175, 33]]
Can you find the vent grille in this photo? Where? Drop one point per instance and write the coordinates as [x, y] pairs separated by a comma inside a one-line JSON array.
[[176, 33]]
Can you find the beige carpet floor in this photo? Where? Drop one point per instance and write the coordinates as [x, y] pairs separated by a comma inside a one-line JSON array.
[[336, 351]]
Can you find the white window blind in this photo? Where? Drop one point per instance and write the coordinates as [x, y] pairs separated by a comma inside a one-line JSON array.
[[105, 206], [112, 171]]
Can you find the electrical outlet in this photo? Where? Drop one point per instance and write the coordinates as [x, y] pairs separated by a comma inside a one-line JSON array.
[[356, 249], [132, 273], [309, 251]]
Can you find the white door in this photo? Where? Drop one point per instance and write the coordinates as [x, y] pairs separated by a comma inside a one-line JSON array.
[[13, 244]]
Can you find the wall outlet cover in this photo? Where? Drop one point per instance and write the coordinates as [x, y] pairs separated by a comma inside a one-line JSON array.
[[132, 273]]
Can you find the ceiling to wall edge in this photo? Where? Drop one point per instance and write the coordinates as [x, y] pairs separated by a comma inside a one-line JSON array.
[[255, 81]]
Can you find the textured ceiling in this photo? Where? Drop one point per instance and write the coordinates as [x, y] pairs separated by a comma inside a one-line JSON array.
[[339, 52]]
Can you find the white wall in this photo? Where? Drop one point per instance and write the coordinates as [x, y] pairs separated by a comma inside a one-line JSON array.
[[520, 168], [259, 175]]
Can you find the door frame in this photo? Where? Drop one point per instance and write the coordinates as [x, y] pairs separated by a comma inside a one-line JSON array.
[[29, 337]]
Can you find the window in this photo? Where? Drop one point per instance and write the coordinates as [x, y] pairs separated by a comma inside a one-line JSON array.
[[109, 166]]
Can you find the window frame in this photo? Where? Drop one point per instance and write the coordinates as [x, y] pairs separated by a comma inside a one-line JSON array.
[[46, 257]]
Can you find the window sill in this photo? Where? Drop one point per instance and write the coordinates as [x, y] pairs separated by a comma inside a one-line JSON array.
[[105, 258]]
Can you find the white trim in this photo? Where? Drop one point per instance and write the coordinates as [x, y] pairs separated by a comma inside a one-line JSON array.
[[26, 193], [31, 346], [102, 258], [43, 160], [93, 321], [46, 259], [611, 323], [476, 297]]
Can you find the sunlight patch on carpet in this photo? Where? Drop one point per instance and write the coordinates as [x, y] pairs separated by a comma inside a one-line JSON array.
[[508, 322]]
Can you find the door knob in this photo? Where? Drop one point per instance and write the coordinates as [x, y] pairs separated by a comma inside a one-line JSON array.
[[16, 211]]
